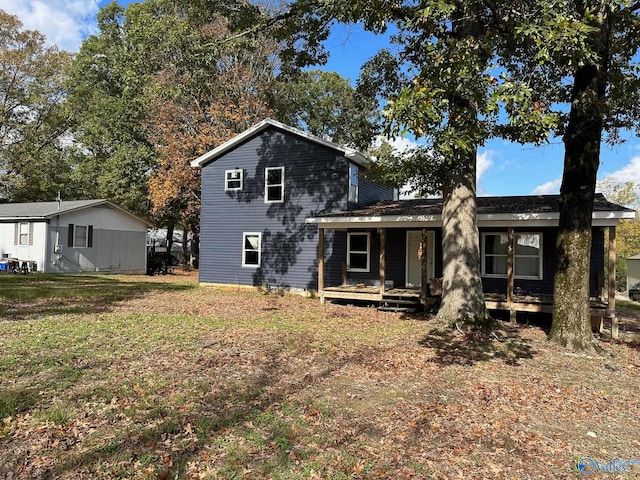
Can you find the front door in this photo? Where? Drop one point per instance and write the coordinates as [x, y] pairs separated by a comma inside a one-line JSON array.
[[414, 263]]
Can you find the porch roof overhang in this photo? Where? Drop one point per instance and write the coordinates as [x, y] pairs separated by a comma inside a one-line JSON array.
[[526, 212]]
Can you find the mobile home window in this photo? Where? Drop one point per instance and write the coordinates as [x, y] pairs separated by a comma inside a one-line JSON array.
[[251, 245], [527, 255], [23, 235], [358, 249], [80, 236], [233, 180], [274, 184]]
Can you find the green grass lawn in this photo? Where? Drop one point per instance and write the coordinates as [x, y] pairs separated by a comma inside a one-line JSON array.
[[157, 378]]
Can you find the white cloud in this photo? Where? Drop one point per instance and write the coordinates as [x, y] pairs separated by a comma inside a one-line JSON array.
[[628, 173], [65, 23], [483, 163], [548, 188], [403, 144], [399, 144]]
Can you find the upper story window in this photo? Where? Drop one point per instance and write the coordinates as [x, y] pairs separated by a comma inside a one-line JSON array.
[[353, 183], [80, 236], [233, 180], [358, 248], [527, 255], [274, 184], [251, 246]]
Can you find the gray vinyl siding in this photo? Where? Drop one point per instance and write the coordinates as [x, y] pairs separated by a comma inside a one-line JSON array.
[[545, 285], [112, 251], [597, 260], [395, 259], [316, 181], [370, 193]]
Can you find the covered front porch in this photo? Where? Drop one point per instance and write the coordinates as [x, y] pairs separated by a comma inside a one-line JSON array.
[[422, 288]]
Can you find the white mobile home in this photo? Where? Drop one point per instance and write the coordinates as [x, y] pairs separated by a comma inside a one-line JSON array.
[[75, 236]]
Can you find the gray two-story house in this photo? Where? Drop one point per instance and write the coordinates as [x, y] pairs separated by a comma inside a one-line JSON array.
[[257, 191], [284, 208]]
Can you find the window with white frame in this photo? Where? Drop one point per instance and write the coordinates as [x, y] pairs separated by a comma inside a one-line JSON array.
[[353, 183], [233, 180], [251, 244], [527, 255], [23, 233], [358, 249], [80, 236], [274, 184]]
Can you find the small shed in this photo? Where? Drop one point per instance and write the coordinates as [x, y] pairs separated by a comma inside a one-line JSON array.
[[633, 270], [73, 237]]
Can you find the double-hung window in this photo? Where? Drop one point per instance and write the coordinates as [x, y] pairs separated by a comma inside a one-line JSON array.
[[23, 233], [233, 180], [80, 236], [358, 249], [274, 184], [353, 183], [251, 245], [527, 255]]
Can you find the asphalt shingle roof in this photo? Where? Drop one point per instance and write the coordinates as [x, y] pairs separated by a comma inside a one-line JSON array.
[[486, 206], [44, 209]]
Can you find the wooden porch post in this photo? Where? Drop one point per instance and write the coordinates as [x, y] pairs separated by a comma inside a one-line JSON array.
[[321, 264], [383, 242], [424, 287], [612, 282], [510, 275]]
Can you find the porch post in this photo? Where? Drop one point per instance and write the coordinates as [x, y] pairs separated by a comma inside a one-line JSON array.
[[510, 281], [383, 242], [424, 287], [612, 282], [321, 263]]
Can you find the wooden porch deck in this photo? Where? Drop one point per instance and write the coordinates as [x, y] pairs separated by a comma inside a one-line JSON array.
[[362, 292], [520, 303]]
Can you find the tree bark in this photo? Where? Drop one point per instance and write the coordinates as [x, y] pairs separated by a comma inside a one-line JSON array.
[[462, 296], [571, 325]]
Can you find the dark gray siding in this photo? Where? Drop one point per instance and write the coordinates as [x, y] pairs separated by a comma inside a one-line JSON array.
[[370, 193], [597, 260], [316, 181], [396, 258], [545, 286]]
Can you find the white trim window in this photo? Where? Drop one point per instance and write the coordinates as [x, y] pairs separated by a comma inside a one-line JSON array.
[[251, 247], [527, 255], [353, 183], [24, 233], [274, 184], [80, 236], [358, 251], [233, 180]]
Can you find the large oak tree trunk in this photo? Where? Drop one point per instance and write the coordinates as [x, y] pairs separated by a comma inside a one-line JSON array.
[[571, 325], [462, 296]]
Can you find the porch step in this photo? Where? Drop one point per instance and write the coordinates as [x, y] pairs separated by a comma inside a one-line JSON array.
[[400, 301], [390, 304], [385, 308]]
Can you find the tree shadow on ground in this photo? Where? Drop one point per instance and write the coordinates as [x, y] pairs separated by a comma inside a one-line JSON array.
[[251, 403], [31, 296], [456, 347]]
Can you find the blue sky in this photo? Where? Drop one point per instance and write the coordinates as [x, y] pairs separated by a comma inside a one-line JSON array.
[[504, 168]]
